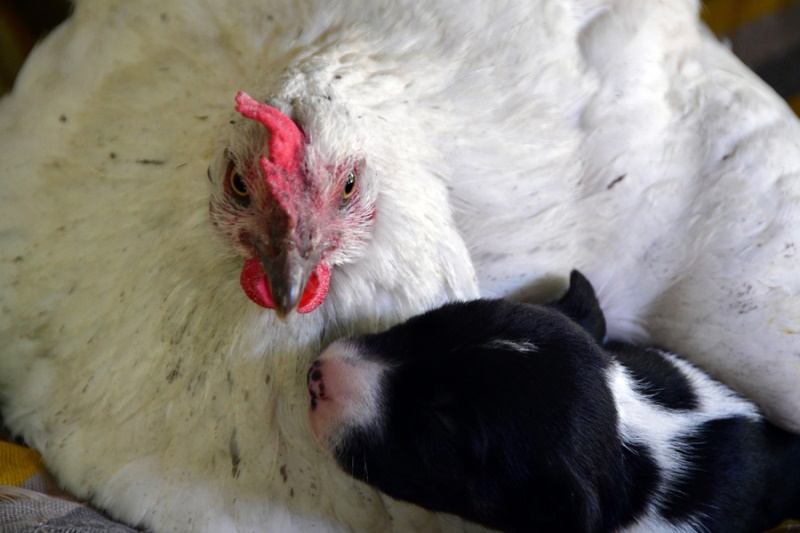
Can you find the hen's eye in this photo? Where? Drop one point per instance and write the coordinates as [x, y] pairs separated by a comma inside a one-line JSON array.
[[236, 182], [349, 186], [238, 186]]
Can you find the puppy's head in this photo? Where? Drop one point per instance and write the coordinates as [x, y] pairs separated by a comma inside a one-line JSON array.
[[472, 408]]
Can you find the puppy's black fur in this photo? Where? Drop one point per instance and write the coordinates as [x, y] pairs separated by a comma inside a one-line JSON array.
[[506, 414]]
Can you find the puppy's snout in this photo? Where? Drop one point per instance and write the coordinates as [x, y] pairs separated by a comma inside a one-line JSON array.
[[344, 392]]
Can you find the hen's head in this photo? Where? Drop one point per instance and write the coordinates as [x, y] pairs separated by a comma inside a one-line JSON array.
[[290, 208]]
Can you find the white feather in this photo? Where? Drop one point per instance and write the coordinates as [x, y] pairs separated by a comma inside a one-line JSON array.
[[612, 136]]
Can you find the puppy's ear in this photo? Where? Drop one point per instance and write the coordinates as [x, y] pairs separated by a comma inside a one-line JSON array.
[[581, 305]]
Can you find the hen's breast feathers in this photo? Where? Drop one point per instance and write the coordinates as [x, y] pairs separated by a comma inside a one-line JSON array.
[[494, 130]]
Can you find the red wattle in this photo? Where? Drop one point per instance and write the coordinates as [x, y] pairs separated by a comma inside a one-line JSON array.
[[316, 289], [256, 286]]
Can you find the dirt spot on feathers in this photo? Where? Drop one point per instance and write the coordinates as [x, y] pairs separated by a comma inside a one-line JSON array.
[[284, 475], [743, 300], [235, 457], [175, 372], [616, 181]]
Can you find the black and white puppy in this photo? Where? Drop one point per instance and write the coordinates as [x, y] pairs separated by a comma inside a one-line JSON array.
[[518, 417]]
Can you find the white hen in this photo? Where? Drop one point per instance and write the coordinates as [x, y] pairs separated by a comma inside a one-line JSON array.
[[533, 137]]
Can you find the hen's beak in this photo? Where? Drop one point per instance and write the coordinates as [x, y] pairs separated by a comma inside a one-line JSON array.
[[287, 275]]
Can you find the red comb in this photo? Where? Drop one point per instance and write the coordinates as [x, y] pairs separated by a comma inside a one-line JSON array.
[[285, 140]]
